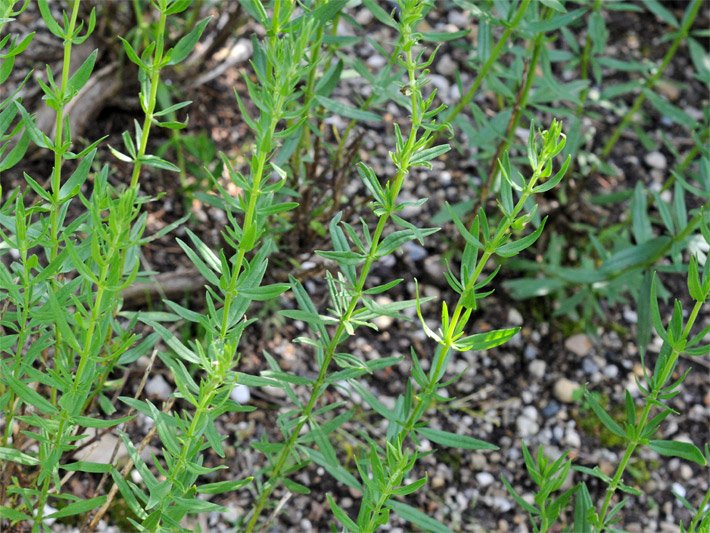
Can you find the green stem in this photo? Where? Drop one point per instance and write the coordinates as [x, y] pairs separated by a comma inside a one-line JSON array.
[[427, 395], [520, 104], [340, 330], [680, 36], [59, 149], [308, 96], [492, 59], [23, 335], [702, 510], [152, 99], [651, 400], [584, 63]]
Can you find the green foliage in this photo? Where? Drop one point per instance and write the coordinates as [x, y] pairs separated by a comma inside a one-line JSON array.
[[72, 242]]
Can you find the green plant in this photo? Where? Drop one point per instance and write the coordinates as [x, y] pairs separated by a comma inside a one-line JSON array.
[[73, 239]]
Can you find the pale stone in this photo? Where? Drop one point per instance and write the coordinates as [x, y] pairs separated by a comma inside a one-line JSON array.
[[564, 390], [158, 388], [240, 393], [579, 344], [656, 160]]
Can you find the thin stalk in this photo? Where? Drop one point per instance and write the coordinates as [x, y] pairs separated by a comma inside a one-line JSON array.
[[152, 100], [520, 104], [59, 149], [427, 395], [651, 400], [340, 330], [680, 36], [701, 511], [308, 96], [492, 59], [584, 63], [23, 335]]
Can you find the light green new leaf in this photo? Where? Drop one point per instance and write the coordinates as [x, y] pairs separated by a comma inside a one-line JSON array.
[[487, 340]]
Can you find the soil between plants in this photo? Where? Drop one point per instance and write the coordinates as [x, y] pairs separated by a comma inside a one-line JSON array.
[[502, 395]]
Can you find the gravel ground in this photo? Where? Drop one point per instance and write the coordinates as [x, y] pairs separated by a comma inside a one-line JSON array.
[[523, 390]]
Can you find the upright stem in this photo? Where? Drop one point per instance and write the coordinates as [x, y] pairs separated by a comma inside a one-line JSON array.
[[59, 148], [345, 318], [651, 400], [520, 104], [680, 36], [152, 99], [466, 99]]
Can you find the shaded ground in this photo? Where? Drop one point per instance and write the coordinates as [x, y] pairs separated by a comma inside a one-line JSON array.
[[503, 395]]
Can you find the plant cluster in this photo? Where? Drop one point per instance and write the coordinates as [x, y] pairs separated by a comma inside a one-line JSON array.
[[72, 241]]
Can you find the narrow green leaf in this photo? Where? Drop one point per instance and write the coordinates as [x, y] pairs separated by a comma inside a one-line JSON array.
[[674, 448], [186, 44], [603, 416], [341, 515], [79, 507], [347, 111], [453, 440], [416, 517], [82, 74]]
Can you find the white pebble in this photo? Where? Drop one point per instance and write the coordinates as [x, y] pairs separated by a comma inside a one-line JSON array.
[[158, 388], [537, 368], [656, 160], [564, 390], [484, 478], [678, 489], [446, 66], [514, 317], [240, 393]]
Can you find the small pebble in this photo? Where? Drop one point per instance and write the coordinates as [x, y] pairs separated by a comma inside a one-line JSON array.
[[551, 409], [572, 439], [537, 368], [414, 251], [611, 371], [678, 489], [589, 366], [514, 317], [527, 427], [686, 472], [656, 160], [157, 387], [484, 479], [460, 19], [446, 66], [564, 390], [631, 316], [530, 352], [240, 394], [579, 344], [383, 321]]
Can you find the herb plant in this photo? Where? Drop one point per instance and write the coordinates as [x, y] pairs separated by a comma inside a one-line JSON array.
[[74, 237]]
